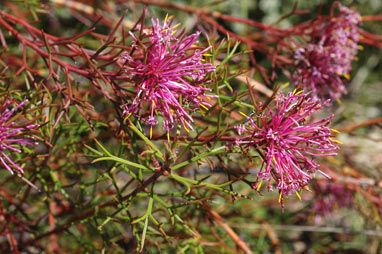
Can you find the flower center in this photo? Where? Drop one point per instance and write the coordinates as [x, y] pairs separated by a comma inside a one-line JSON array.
[[273, 135]]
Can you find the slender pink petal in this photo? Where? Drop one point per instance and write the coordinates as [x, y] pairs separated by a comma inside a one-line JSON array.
[[11, 136]]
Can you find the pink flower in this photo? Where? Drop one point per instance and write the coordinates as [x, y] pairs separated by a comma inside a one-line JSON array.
[[168, 71], [323, 65], [11, 136], [288, 141], [329, 197]]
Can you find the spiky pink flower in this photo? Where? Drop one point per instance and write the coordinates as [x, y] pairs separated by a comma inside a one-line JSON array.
[[288, 141], [322, 66], [168, 71], [11, 136]]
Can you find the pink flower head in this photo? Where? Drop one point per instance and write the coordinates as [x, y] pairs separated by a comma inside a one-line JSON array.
[[288, 142], [168, 71], [322, 65], [11, 136]]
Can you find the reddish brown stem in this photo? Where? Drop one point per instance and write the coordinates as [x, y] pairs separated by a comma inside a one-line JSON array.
[[232, 234], [351, 128]]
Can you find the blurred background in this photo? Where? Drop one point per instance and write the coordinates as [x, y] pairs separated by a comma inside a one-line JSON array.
[[341, 215]]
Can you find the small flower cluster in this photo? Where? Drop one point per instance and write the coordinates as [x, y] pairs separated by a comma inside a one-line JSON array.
[[168, 72], [330, 196], [288, 141], [322, 66], [11, 136]]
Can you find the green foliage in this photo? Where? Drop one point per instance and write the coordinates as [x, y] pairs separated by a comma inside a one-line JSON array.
[[99, 183]]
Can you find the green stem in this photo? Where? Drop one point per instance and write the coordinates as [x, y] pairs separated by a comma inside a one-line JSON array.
[[158, 153], [198, 157]]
